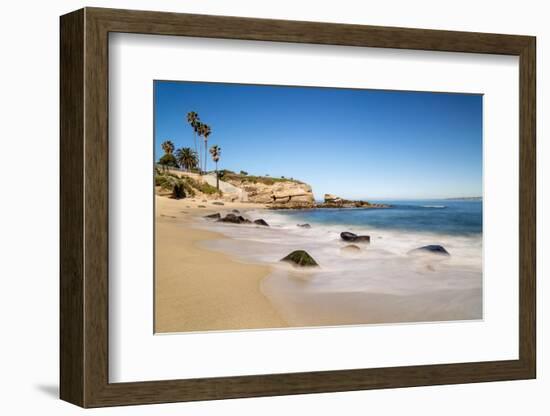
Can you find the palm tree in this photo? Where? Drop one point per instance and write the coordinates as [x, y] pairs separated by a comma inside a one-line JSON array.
[[193, 120], [168, 147], [206, 131], [198, 130], [216, 151], [168, 159], [186, 158]]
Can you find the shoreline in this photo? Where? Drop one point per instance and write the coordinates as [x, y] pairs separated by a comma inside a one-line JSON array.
[[348, 289], [197, 289], [378, 284]]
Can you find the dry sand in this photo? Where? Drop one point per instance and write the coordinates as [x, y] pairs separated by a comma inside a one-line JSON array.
[[201, 290]]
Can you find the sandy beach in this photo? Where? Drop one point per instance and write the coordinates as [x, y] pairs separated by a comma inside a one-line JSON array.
[[216, 276], [201, 290]]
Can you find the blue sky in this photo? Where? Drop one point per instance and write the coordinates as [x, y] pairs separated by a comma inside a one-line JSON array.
[[368, 144]]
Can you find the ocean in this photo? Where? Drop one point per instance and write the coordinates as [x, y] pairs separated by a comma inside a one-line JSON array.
[[453, 217], [380, 283]]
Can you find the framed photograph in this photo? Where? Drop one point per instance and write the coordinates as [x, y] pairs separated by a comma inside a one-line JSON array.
[[257, 207]]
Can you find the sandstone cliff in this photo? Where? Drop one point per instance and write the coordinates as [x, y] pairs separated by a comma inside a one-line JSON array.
[[273, 191], [276, 193]]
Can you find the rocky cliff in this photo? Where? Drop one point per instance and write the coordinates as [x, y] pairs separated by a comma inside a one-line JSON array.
[[273, 191], [276, 193]]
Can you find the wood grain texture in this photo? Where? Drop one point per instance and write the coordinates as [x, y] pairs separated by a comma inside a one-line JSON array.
[[527, 208], [96, 207], [71, 208], [84, 204]]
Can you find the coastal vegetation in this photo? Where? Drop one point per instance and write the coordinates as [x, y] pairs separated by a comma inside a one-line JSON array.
[[205, 131], [168, 160], [202, 187], [182, 186], [193, 120], [243, 177], [183, 172], [189, 160], [202, 130], [215, 151], [186, 158]]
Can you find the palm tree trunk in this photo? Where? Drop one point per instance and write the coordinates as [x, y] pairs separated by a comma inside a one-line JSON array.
[[217, 178], [196, 151], [205, 158]]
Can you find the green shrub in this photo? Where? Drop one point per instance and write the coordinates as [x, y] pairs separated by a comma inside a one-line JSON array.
[[203, 187], [178, 192], [188, 188], [168, 161], [206, 188], [178, 185], [164, 182]]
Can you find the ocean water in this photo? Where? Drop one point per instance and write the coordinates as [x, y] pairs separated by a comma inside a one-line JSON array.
[[380, 283], [453, 217]]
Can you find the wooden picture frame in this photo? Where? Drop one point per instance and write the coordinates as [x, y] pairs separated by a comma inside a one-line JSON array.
[[84, 207]]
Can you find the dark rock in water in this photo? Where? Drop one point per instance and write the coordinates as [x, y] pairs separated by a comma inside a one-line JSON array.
[[236, 211], [261, 222], [230, 218], [234, 219], [347, 236], [304, 225], [351, 248], [201, 206], [432, 248], [217, 203], [215, 216], [300, 258]]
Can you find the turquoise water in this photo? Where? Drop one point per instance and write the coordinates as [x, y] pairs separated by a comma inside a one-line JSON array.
[[449, 217]]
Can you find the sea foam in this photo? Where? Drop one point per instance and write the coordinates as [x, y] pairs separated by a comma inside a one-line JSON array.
[[382, 268]]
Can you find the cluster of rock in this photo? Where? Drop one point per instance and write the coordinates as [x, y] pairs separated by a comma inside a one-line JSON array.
[[302, 258], [332, 201], [233, 218]]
